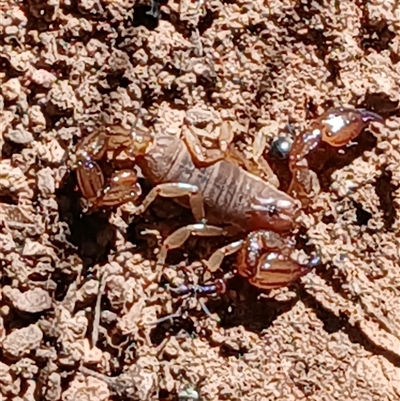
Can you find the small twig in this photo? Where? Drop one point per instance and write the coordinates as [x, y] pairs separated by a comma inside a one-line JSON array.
[[97, 311], [114, 383], [165, 318]]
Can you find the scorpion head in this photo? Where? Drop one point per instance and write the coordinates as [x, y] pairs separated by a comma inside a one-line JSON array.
[[275, 212]]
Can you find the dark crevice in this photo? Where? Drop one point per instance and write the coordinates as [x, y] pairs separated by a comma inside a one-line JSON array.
[[6, 197], [166, 395], [40, 10], [10, 148], [55, 116], [248, 309], [385, 189], [17, 319], [63, 281], [207, 20], [120, 342], [314, 36], [363, 216], [172, 69], [172, 95], [34, 92], [172, 327], [328, 219], [7, 68], [258, 30], [334, 69], [335, 277], [68, 372], [238, 40], [145, 15], [15, 106], [225, 351], [184, 29], [375, 35], [381, 103], [115, 80], [209, 85], [394, 57], [92, 234], [38, 24]]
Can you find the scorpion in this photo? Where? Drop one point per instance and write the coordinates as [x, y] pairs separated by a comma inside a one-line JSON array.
[[227, 193]]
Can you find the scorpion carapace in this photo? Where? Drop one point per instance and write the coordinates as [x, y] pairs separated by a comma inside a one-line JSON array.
[[225, 198]]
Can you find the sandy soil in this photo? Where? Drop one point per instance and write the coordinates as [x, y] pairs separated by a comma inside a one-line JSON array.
[[79, 302]]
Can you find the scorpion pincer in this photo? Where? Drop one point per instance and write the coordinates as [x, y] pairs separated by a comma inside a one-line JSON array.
[[227, 193]]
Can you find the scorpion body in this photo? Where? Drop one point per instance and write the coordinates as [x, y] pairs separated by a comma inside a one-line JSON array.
[[226, 188], [225, 198]]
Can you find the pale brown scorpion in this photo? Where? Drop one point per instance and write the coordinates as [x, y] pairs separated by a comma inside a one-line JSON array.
[[219, 190]]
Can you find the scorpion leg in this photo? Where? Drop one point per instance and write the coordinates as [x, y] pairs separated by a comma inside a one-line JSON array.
[[259, 167], [175, 190], [215, 260], [178, 237]]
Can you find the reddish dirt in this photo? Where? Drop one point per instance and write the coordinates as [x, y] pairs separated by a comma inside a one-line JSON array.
[[81, 311]]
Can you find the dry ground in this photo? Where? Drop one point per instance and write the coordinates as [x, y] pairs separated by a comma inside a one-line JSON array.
[[69, 66]]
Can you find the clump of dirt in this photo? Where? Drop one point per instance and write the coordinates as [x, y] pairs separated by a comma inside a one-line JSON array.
[[82, 313]]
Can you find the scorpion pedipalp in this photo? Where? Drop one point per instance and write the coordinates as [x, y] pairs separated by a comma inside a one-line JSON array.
[[265, 259], [337, 127]]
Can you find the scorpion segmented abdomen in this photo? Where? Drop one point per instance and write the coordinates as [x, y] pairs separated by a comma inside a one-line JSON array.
[[220, 184]]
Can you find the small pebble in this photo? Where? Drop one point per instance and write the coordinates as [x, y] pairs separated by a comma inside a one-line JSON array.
[[19, 136]]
